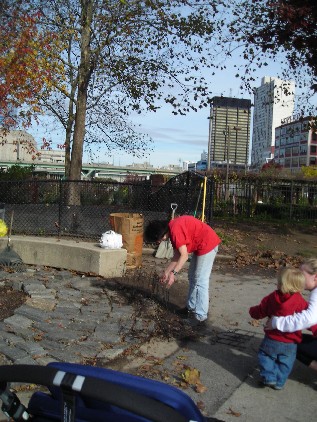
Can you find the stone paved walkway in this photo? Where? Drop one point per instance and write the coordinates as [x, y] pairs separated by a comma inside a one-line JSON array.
[[71, 318]]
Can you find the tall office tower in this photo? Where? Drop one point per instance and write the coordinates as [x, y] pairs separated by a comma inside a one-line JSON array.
[[273, 101], [229, 134]]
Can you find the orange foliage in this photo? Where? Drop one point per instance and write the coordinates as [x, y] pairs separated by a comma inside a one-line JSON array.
[[24, 51]]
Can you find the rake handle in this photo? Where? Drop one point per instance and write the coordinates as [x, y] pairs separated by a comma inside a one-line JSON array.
[[10, 228]]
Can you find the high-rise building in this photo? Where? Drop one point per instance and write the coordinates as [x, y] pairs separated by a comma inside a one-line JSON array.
[[296, 143], [229, 134], [273, 101]]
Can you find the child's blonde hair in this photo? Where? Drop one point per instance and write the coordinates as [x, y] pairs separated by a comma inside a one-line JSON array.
[[310, 266], [290, 280]]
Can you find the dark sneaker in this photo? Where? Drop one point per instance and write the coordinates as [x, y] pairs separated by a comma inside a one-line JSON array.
[[184, 313], [195, 323]]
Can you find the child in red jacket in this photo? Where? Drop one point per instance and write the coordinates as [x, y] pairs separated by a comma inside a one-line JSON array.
[[277, 351]]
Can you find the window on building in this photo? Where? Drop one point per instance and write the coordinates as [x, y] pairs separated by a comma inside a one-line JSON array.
[[302, 161], [295, 162], [303, 149]]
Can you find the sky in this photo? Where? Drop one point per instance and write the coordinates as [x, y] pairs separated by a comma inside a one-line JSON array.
[[184, 138], [176, 139]]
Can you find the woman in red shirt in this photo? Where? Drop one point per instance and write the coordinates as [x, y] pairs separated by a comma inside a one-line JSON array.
[[188, 235]]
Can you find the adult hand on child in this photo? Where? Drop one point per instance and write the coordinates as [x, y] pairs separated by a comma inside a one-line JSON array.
[[268, 325]]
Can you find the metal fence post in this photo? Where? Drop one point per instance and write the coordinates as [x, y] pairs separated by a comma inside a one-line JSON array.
[[291, 201], [60, 202], [211, 198]]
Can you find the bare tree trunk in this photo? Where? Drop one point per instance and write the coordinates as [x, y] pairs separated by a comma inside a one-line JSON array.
[[71, 116], [85, 70]]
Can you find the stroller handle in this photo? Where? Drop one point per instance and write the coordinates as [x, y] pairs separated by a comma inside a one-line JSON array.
[[91, 387]]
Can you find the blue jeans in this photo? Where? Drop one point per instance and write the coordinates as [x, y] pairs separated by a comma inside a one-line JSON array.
[[199, 274], [276, 360]]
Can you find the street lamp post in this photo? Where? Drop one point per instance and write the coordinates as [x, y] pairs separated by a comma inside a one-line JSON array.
[[227, 134], [228, 165]]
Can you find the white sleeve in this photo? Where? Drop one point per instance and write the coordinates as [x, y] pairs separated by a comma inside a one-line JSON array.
[[301, 320]]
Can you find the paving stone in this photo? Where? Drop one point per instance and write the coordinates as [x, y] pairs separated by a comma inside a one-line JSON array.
[[64, 306], [33, 348], [84, 329], [61, 356], [62, 336], [110, 354], [32, 313], [18, 321], [17, 285], [62, 313], [33, 288], [82, 283], [10, 338], [62, 275], [70, 294], [82, 352], [27, 360], [45, 360], [107, 333], [44, 304], [50, 345], [13, 353], [48, 325], [4, 360], [94, 312]]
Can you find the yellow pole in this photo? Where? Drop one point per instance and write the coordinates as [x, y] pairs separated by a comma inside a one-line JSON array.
[[204, 199]]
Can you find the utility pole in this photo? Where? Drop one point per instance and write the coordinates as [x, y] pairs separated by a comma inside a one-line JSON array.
[[227, 167], [227, 134]]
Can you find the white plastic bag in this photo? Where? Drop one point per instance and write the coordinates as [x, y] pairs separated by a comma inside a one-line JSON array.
[[111, 240]]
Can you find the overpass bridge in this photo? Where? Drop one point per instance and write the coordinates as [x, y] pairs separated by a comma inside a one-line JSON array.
[[92, 171]]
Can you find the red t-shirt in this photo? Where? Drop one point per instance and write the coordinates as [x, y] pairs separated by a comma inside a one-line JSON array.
[[198, 237]]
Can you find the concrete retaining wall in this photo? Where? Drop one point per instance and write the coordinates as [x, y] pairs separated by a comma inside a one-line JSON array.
[[69, 254]]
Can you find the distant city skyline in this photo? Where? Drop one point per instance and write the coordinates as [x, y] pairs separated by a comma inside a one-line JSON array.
[[176, 139]]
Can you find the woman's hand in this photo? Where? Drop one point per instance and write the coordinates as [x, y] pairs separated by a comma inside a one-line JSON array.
[[163, 278], [171, 280], [167, 278]]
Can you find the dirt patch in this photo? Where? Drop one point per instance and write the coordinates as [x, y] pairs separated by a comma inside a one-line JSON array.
[[264, 247], [10, 300]]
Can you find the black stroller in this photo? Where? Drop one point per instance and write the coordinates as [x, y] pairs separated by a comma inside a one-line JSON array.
[[83, 393]]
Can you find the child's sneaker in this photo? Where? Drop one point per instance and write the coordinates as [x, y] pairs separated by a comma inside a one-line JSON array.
[[268, 383]]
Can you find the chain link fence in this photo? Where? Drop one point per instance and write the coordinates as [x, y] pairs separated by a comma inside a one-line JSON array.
[[82, 208]]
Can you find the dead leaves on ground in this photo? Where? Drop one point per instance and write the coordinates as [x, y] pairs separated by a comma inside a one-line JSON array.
[[183, 375], [265, 259], [255, 323], [191, 376], [233, 413]]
